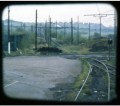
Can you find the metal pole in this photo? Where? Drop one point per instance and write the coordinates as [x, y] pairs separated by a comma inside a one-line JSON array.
[[50, 30], [100, 16], [78, 30], [24, 26], [56, 29], [115, 29], [46, 31], [21, 26], [11, 26], [31, 28], [100, 26], [71, 31], [36, 31], [9, 49], [109, 51], [64, 31], [89, 31]]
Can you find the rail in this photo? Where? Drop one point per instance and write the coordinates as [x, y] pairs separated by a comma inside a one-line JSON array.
[[107, 75], [104, 69], [83, 84]]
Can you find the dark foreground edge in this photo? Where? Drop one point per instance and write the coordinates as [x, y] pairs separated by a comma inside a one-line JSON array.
[[6, 100]]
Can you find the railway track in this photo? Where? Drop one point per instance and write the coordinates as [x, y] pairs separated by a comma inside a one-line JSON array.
[[95, 77], [62, 90], [101, 70], [102, 66], [111, 69], [83, 83], [98, 86]]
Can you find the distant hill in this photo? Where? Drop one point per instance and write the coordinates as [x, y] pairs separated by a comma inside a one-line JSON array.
[[84, 27]]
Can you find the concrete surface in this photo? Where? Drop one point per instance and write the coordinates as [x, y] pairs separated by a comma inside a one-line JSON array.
[[32, 76]]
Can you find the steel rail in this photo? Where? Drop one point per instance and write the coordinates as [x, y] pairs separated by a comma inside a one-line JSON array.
[[83, 84], [108, 77], [109, 65], [103, 69], [11, 84]]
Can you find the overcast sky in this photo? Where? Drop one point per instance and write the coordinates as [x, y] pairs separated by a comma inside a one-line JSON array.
[[63, 13]]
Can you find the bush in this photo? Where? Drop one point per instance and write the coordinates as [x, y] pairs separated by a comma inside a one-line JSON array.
[[99, 45], [99, 48], [27, 41], [49, 49]]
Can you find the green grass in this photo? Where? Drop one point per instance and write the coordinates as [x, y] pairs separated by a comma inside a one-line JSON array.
[[19, 53], [75, 49], [85, 67], [112, 61], [87, 90], [12, 53]]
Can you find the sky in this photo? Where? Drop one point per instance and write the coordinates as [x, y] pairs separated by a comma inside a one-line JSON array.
[[62, 13]]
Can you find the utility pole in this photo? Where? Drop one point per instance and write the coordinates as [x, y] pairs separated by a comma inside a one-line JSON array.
[[11, 26], [109, 43], [78, 31], [24, 26], [21, 26], [115, 31], [36, 31], [31, 28], [100, 17], [89, 30], [50, 30], [71, 31], [46, 31], [9, 31], [64, 31], [56, 29]]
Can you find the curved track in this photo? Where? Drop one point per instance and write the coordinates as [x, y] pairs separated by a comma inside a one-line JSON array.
[[102, 65], [99, 67], [83, 83]]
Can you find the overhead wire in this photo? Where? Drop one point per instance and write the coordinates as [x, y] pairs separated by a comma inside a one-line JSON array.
[[107, 11]]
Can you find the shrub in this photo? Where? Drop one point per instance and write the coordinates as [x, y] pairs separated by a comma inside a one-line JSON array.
[[27, 41]]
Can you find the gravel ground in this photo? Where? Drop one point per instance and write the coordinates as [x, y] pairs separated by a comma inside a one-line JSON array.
[[33, 76]]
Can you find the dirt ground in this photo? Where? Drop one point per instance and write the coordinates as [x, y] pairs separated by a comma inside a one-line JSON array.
[[33, 76]]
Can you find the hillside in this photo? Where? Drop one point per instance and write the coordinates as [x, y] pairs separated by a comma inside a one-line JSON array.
[[83, 27]]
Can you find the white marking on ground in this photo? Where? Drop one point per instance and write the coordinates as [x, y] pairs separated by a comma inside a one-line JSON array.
[[11, 83]]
